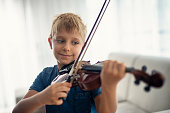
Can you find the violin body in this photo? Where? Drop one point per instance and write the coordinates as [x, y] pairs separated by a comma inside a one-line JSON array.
[[86, 80]]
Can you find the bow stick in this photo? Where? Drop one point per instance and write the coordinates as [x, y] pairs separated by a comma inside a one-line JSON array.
[[75, 66]]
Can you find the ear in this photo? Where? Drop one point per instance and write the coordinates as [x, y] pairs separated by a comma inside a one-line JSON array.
[[50, 43]]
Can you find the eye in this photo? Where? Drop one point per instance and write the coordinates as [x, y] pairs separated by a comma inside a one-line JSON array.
[[60, 41], [75, 42]]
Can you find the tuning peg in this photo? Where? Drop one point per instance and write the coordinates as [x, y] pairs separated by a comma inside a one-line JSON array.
[[144, 68], [153, 72], [147, 88], [137, 82]]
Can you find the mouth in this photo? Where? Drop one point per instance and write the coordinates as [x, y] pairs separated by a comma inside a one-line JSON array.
[[65, 55]]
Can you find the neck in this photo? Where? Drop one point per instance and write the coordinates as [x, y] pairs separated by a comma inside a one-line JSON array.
[[61, 66]]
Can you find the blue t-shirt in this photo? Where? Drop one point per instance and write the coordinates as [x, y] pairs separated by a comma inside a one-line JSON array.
[[77, 101]]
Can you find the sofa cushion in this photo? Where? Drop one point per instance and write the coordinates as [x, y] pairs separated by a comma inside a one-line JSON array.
[[164, 111], [127, 107]]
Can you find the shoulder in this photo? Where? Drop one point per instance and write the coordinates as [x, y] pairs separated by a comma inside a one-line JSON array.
[[44, 78], [49, 73], [50, 70]]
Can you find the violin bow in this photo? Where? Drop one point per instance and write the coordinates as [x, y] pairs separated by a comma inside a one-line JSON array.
[[75, 66]]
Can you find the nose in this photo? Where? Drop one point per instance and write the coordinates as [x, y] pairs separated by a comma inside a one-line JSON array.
[[66, 47]]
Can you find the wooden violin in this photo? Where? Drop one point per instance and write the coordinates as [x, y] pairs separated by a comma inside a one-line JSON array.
[[88, 76]]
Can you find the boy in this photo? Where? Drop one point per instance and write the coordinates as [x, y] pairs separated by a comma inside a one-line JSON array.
[[66, 39]]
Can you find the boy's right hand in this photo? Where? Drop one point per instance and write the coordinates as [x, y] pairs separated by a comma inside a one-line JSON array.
[[54, 93]]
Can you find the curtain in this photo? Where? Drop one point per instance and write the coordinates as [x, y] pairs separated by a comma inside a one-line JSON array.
[[11, 44], [134, 26]]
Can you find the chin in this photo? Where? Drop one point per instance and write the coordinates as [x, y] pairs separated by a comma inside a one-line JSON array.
[[65, 62]]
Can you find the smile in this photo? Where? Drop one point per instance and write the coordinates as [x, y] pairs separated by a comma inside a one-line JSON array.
[[65, 55]]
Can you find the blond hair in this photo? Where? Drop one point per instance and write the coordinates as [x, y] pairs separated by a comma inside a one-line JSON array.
[[69, 22]]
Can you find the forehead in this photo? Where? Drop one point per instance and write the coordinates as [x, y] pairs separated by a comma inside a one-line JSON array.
[[64, 33]]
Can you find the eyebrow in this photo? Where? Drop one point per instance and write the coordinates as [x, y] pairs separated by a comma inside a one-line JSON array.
[[77, 39], [73, 38], [59, 36]]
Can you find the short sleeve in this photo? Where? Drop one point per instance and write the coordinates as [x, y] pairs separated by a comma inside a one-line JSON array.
[[96, 92], [42, 80]]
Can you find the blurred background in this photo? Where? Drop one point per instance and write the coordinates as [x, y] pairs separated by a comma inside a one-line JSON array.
[[132, 26]]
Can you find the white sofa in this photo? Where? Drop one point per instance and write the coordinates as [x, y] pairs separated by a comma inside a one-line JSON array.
[[132, 98]]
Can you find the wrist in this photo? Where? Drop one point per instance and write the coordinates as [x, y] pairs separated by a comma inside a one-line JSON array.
[[109, 87], [109, 84], [39, 99]]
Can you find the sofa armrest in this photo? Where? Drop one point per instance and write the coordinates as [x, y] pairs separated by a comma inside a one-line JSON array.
[[158, 98], [123, 86]]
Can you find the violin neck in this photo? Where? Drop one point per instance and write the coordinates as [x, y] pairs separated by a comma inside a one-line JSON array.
[[97, 68], [92, 68]]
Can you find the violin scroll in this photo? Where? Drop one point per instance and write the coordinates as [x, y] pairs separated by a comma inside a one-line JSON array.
[[156, 79]]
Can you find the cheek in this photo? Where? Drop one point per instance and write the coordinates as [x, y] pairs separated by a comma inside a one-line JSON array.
[[77, 51], [55, 49]]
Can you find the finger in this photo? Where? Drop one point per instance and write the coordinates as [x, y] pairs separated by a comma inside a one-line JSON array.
[[115, 68], [61, 95], [121, 68], [106, 65], [59, 102], [112, 67], [67, 84], [62, 89]]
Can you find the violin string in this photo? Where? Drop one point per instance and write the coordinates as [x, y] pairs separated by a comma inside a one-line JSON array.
[[76, 64]]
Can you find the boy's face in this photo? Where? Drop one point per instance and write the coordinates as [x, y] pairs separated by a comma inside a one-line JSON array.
[[66, 47]]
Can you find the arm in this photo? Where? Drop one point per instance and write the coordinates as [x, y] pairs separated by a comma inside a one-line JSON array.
[[111, 74], [51, 96], [29, 103]]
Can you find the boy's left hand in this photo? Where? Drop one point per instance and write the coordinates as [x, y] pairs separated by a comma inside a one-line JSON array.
[[112, 73]]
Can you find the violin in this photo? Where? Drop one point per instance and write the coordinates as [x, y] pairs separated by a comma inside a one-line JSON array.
[[87, 77]]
